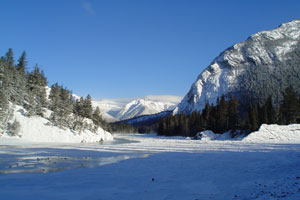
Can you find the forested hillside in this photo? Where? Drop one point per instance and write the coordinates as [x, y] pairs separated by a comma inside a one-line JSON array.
[[227, 115], [29, 89]]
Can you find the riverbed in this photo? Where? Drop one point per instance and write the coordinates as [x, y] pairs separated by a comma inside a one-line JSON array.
[[151, 167]]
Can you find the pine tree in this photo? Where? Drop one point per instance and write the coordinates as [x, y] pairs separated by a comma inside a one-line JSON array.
[[10, 76], [290, 106], [36, 87], [21, 80], [253, 117], [3, 110], [9, 57], [270, 110], [22, 62], [54, 104], [233, 115], [87, 107], [97, 119], [221, 115], [65, 108]]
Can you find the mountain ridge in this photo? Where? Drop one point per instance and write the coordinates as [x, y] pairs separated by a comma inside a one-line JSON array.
[[235, 70], [121, 109]]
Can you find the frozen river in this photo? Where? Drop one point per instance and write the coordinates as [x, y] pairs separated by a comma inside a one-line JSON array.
[[44, 158], [150, 167]]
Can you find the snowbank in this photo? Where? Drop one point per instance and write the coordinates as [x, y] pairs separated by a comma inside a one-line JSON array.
[[35, 129], [208, 135], [275, 133]]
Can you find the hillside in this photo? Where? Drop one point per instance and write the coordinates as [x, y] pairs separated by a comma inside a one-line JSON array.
[[32, 112], [252, 70], [38, 129]]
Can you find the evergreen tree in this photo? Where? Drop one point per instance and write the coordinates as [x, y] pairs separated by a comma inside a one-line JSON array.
[[36, 87], [253, 122], [22, 62], [87, 107], [54, 103], [10, 74], [233, 115], [290, 106], [221, 115], [65, 108], [3, 111], [9, 57], [97, 119], [21, 80], [270, 111]]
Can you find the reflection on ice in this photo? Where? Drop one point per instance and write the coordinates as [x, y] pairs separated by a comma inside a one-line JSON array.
[[38, 159], [45, 164]]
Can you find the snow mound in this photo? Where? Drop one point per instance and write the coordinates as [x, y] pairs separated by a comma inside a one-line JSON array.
[[206, 135], [38, 130], [275, 133], [209, 135]]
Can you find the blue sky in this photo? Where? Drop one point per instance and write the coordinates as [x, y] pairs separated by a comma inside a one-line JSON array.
[[132, 48]]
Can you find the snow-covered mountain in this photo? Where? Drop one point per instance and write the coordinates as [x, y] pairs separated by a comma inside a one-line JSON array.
[[265, 64], [121, 109]]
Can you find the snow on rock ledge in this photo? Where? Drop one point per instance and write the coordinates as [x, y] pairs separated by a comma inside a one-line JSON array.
[[34, 129], [275, 133]]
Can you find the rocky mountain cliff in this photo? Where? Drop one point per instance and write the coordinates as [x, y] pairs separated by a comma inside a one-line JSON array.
[[265, 64]]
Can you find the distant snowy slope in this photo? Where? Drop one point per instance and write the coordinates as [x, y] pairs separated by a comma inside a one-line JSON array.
[[110, 107], [265, 64], [143, 107], [121, 109]]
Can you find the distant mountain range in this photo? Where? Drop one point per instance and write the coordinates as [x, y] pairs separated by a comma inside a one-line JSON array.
[[114, 110], [263, 65], [252, 70]]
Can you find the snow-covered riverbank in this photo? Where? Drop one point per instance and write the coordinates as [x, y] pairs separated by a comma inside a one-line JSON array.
[[38, 129], [163, 168]]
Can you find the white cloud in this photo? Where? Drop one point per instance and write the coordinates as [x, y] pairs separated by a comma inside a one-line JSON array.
[[87, 6]]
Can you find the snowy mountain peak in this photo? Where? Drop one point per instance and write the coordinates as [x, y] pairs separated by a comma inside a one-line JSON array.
[[121, 109], [231, 71], [143, 106]]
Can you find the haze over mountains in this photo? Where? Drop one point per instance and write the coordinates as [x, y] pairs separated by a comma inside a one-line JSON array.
[[125, 108]]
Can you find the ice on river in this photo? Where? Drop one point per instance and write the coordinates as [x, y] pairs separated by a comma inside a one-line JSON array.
[[153, 168]]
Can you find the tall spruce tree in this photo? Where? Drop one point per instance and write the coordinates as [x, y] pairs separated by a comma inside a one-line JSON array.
[[21, 80], [87, 107], [3, 101], [221, 115], [290, 106], [233, 115], [9, 57], [253, 117]]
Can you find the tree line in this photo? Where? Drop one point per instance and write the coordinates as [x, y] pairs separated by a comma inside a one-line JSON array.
[[226, 115]]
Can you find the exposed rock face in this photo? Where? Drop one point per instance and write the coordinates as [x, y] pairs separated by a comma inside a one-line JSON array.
[[265, 64]]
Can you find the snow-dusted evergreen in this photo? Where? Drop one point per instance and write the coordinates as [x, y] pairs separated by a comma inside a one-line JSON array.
[[262, 66], [30, 111]]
